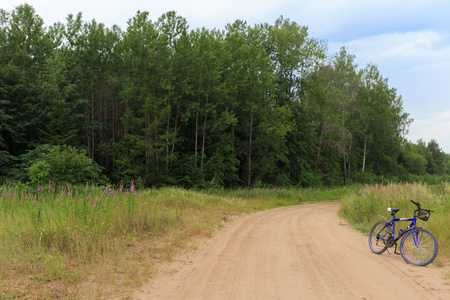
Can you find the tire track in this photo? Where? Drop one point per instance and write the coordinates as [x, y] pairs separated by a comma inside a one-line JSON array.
[[299, 252]]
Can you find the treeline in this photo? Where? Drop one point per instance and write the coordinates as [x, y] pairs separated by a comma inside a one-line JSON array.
[[244, 106]]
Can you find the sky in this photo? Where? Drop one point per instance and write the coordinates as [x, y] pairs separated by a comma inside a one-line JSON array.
[[409, 40]]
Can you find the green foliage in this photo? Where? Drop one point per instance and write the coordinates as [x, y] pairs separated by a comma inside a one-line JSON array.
[[61, 164], [258, 105]]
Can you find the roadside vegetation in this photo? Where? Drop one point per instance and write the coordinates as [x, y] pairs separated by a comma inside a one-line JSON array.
[[90, 241], [362, 207]]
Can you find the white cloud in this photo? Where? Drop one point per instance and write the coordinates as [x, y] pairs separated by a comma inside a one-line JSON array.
[[432, 126], [420, 47]]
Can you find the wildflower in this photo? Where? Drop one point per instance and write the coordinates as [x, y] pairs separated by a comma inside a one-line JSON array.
[[132, 188], [96, 199], [95, 206], [145, 204], [34, 202]]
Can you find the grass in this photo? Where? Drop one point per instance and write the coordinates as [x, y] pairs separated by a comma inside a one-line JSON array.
[[89, 242]]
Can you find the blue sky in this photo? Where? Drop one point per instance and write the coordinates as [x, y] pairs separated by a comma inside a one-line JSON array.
[[409, 41]]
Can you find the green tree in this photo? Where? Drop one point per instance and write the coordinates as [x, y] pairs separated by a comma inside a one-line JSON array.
[[262, 124], [438, 158], [294, 56], [383, 124]]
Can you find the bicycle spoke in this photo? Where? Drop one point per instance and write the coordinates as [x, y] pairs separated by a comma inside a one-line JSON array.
[[419, 252]]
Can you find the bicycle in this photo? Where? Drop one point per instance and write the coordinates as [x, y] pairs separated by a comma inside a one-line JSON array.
[[418, 246]]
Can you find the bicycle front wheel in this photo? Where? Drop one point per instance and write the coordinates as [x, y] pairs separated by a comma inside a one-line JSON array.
[[419, 247], [378, 237]]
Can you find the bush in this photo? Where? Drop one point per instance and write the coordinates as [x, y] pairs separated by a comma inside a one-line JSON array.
[[61, 164]]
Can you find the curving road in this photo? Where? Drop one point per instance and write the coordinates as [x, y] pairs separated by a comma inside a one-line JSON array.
[[299, 252]]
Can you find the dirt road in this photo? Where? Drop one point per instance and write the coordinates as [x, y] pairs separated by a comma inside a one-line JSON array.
[[299, 252]]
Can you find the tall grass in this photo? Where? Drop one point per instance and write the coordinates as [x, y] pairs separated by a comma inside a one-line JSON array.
[[362, 207]]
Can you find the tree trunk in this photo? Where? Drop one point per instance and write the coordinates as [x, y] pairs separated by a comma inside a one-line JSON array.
[[249, 170], [325, 113], [364, 155], [196, 138], [204, 134]]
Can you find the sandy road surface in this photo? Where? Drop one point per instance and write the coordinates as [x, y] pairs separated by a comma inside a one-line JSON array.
[[299, 252]]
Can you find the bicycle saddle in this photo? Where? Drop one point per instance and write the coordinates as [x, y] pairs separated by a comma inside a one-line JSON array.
[[393, 210]]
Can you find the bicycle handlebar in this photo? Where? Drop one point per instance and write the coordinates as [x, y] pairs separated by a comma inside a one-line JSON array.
[[416, 203]]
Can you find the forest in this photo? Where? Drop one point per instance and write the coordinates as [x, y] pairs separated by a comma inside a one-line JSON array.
[[165, 105]]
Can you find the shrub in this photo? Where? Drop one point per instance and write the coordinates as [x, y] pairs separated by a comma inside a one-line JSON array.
[[62, 164]]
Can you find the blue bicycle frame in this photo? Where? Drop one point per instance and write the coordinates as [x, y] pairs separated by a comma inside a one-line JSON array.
[[392, 223]]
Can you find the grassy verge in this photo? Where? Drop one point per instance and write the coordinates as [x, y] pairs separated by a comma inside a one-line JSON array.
[[363, 206], [90, 242]]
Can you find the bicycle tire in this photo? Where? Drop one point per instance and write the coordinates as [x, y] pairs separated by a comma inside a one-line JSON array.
[[422, 255], [378, 246]]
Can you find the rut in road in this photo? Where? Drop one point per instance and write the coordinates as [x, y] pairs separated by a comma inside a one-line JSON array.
[[298, 252]]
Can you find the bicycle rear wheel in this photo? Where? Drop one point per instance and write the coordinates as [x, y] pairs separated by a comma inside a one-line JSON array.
[[422, 253], [378, 236]]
